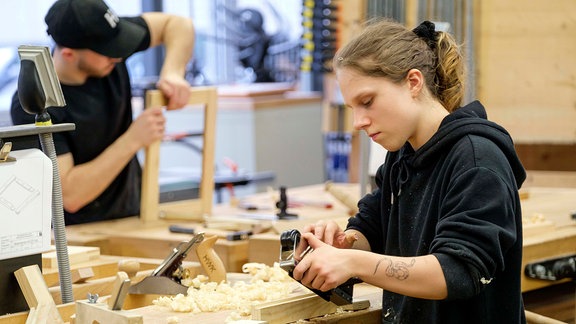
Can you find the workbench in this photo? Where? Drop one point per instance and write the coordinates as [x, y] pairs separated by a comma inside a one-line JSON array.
[[130, 237], [554, 236]]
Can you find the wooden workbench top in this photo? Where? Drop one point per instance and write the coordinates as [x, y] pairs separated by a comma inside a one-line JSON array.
[[557, 236]]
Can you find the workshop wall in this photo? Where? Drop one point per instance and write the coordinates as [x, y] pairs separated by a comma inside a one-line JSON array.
[[526, 76], [524, 69]]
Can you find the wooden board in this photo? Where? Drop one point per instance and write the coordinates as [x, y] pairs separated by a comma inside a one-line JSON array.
[[76, 254], [532, 229], [37, 295], [131, 237], [104, 266], [155, 314], [293, 309], [66, 312]]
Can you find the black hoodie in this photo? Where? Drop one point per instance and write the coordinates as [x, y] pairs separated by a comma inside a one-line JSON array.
[[456, 198]]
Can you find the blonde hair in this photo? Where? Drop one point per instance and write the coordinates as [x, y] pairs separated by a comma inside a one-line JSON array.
[[388, 49]]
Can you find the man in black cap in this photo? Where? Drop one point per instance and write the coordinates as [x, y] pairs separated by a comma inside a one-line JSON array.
[[100, 173]]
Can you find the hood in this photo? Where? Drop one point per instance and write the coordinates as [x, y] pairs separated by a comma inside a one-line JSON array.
[[469, 120]]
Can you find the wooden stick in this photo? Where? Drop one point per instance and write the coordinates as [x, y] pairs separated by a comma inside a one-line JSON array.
[[82, 274], [37, 295]]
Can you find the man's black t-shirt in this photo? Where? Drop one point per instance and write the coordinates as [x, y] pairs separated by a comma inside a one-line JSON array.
[[101, 110]]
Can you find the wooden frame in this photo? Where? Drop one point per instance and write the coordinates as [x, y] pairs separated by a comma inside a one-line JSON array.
[[150, 207]]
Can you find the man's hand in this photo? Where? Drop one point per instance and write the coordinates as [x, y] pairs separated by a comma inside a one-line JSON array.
[[148, 127], [176, 89]]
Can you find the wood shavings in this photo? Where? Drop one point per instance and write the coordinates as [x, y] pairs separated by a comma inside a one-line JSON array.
[[266, 284], [535, 218]]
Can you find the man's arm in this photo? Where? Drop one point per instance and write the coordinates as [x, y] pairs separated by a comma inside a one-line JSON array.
[[177, 35], [84, 182]]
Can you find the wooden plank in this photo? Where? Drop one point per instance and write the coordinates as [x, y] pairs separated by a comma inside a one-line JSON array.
[[102, 287], [76, 254], [531, 229], [81, 274], [292, 309], [151, 209], [66, 311], [306, 307], [99, 313], [534, 318], [104, 266], [33, 286], [157, 244], [37, 295], [366, 316]]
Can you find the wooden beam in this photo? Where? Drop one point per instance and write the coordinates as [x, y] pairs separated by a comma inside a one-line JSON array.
[[292, 309], [37, 295]]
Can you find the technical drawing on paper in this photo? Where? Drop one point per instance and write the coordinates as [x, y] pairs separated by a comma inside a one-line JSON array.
[[16, 194]]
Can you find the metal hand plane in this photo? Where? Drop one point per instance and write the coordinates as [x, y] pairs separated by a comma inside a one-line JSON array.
[[291, 245], [166, 278]]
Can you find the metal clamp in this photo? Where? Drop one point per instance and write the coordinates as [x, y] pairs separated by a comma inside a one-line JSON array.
[[552, 269]]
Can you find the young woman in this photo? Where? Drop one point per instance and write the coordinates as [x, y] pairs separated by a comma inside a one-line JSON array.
[[442, 233]]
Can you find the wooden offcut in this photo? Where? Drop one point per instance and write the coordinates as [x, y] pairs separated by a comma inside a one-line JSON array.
[[76, 255], [292, 309], [87, 313], [150, 208], [37, 295], [299, 307]]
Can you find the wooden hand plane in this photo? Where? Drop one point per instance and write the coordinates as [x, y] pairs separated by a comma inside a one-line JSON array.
[[166, 278]]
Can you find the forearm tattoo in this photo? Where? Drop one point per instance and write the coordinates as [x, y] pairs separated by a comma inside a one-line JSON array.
[[398, 269]]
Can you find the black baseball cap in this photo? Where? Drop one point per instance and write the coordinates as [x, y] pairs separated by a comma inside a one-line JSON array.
[[91, 24]]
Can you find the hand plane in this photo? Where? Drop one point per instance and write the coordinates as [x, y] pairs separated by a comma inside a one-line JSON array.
[[166, 278], [291, 245]]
